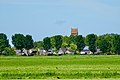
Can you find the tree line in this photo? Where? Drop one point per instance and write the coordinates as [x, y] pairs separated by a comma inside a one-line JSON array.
[[107, 43]]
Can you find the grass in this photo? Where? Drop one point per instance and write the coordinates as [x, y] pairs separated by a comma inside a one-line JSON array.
[[60, 67]]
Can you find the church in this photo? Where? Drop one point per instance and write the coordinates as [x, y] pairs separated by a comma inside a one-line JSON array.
[[74, 31]]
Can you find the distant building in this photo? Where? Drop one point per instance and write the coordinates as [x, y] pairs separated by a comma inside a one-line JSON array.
[[41, 51], [86, 50], [74, 31]]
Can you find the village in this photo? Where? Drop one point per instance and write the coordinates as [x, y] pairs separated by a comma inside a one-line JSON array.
[[52, 51]]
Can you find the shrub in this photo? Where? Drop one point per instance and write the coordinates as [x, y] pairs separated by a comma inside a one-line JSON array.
[[9, 51], [109, 53]]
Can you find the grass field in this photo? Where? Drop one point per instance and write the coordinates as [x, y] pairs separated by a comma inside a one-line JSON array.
[[60, 67]]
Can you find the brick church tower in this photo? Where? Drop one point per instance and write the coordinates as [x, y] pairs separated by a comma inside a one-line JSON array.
[[74, 31]]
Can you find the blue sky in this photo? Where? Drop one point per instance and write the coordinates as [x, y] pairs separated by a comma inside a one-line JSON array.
[[42, 18]]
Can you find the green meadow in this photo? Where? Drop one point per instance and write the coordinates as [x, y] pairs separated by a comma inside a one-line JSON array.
[[60, 67]]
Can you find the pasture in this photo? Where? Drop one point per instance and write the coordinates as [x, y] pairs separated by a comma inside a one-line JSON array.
[[60, 67]]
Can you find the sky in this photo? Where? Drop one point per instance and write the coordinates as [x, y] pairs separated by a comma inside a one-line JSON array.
[[45, 18]]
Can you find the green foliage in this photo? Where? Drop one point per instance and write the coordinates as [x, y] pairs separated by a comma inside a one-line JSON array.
[[73, 46], [107, 43], [102, 44], [80, 42], [72, 39], [3, 42], [90, 41], [9, 52], [116, 44], [38, 44], [58, 41], [18, 40], [65, 39], [47, 43], [52, 40], [2, 46], [28, 42], [92, 48], [64, 45]]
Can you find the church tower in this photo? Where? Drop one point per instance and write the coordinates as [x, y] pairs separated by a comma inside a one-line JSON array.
[[74, 31]]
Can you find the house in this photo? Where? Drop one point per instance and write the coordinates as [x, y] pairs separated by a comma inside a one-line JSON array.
[[32, 52], [98, 51], [69, 52], [62, 50], [24, 52], [41, 51], [60, 53], [18, 52], [54, 53], [50, 52], [85, 51]]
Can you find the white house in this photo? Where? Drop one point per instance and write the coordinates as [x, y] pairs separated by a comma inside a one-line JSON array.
[[86, 50]]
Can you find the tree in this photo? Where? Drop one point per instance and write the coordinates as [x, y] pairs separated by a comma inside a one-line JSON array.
[[108, 37], [58, 41], [102, 44], [5, 40], [92, 48], [72, 39], [28, 42], [2, 46], [64, 45], [47, 43], [80, 42], [52, 40], [116, 44], [65, 40], [18, 40], [73, 47], [9, 51], [38, 44], [90, 41]]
